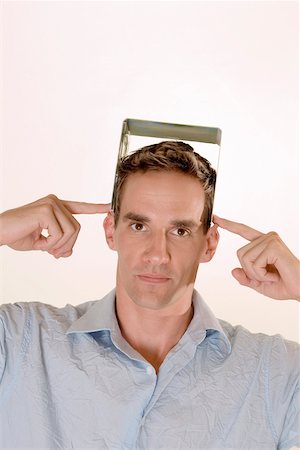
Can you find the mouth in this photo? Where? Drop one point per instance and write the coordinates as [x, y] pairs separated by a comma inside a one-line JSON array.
[[153, 278]]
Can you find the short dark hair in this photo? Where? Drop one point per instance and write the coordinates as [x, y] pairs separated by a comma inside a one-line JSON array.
[[168, 156]]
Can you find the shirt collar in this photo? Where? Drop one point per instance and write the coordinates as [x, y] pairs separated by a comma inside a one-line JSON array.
[[205, 324], [102, 316]]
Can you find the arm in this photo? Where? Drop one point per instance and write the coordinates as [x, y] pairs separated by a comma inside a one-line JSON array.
[[267, 265], [21, 228]]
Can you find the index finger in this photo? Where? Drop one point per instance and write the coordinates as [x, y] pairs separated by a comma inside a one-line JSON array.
[[238, 228], [86, 208]]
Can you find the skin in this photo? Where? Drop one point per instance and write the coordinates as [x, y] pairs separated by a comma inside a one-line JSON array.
[[160, 221], [158, 261], [21, 228], [160, 243], [267, 264]]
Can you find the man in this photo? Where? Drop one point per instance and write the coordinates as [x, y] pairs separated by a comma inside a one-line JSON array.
[[148, 366]]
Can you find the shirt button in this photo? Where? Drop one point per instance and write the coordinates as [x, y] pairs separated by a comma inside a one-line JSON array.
[[149, 370]]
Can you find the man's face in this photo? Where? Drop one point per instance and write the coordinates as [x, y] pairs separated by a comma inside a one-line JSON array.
[[159, 238]]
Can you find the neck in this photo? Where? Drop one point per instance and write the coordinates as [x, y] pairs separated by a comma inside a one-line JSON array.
[[152, 333]]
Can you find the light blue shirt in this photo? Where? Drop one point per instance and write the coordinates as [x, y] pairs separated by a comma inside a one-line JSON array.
[[69, 380]]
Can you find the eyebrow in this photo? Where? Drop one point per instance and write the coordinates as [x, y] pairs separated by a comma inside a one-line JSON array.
[[185, 223], [177, 223], [136, 217]]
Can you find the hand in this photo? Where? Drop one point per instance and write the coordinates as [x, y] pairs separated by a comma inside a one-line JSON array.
[[21, 228], [268, 266]]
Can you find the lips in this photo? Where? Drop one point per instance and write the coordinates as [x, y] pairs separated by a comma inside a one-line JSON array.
[[153, 278]]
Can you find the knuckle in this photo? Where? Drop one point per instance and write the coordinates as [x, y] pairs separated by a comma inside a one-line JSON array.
[[75, 227], [78, 228], [273, 234], [51, 200], [58, 235], [46, 209], [71, 229], [52, 197], [239, 253], [274, 238]]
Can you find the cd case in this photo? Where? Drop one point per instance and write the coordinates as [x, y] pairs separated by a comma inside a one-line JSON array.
[[139, 133]]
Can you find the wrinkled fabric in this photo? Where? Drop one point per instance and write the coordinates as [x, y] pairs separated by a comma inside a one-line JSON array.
[[69, 380]]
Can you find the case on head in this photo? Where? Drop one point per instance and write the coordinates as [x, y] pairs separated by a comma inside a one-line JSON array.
[[138, 133]]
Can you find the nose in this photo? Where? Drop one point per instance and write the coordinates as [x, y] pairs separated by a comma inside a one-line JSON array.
[[156, 249]]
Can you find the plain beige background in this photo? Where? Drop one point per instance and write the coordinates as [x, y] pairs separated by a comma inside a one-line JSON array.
[[73, 71]]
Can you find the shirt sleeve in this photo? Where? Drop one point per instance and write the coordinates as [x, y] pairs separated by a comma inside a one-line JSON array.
[[14, 321], [284, 393], [2, 348], [290, 436]]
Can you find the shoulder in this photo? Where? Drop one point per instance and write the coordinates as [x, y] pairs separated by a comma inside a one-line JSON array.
[[274, 353], [238, 335], [17, 318], [27, 324]]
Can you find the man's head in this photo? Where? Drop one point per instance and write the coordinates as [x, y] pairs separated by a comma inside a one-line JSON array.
[[164, 194], [165, 157]]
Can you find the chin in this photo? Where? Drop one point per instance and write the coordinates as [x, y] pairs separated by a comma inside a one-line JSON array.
[[151, 301]]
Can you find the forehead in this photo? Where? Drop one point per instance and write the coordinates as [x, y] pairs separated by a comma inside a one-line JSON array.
[[162, 192]]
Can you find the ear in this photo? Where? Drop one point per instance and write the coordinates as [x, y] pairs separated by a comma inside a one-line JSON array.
[[212, 239], [109, 229]]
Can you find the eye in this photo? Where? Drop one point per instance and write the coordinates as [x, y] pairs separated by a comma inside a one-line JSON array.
[[181, 232], [138, 227]]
